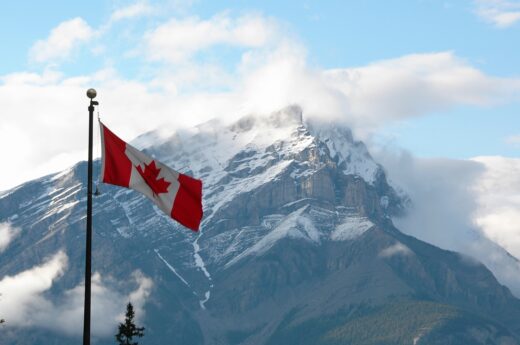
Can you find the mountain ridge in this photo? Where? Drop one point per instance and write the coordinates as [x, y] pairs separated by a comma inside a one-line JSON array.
[[297, 227]]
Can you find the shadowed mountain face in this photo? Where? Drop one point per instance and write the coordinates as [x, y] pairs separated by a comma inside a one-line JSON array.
[[297, 246]]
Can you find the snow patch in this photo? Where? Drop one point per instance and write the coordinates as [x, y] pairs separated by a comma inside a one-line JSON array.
[[61, 174], [123, 231], [206, 298], [353, 154], [198, 259], [384, 202], [200, 264], [295, 225], [351, 228], [171, 267]]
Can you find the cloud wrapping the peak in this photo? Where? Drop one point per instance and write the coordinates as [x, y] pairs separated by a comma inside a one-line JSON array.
[[272, 71], [365, 98], [369, 97], [62, 40]]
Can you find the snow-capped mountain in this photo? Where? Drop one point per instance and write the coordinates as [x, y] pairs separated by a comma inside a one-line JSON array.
[[296, 246]]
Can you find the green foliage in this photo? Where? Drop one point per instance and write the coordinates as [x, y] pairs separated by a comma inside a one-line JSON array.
[[128, 330], [399, 322]]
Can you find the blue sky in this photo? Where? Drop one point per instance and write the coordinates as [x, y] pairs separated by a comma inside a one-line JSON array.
[[111, 45], [418, 80], [337, 33]]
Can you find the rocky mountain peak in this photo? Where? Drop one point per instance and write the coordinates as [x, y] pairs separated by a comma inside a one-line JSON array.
[[296, 246]]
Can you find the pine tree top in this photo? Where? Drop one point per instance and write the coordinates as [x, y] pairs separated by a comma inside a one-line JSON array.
[[128, 330]]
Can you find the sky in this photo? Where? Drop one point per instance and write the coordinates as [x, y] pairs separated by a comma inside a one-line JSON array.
[[432, 87], [450, 87]]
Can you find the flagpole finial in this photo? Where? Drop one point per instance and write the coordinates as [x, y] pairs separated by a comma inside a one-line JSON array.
[[91, 93]]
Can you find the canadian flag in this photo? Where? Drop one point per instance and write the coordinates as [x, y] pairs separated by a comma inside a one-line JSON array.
[[178, 195]]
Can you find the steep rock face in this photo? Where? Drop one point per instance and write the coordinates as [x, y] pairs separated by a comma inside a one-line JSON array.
[[296, 232], [296, 285]]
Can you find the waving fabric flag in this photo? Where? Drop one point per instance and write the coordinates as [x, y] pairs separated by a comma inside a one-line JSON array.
[[178, 195]]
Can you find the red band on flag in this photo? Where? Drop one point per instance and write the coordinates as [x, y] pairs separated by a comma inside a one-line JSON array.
[[118, 168], [178, 195], [187, 207]]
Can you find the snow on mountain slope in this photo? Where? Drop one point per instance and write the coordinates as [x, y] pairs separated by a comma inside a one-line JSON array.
[[239, 164], [352, 156], [258, 173], [351, 228], [295, 225], [268, 180]]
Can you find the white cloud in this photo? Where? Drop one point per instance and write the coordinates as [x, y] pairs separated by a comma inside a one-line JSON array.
[[132, 11], [451, 209], [266, 80], [513, 140], [108, 305], [501, 13], [179, 39], [21, 294], [459, 205], [395, 249], [25, 304], [441, 196], [417, 84], [498, 200], [372, 96], [7, 234], [62, 41]]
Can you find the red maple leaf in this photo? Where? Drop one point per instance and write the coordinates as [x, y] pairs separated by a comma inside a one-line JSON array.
[[150, 174]]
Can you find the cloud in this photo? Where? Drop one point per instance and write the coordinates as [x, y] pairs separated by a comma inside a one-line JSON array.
[[7, 234], [364, 98], [462, 205], [513, 140], [132, 11], [179, 39], [395, 249], [272, 72], [498, 201], [442, 204], [415, 85], [501, 13], [369, 97], [25, 302], [62, 41], [21, 294], [450, 209], [108, 305]]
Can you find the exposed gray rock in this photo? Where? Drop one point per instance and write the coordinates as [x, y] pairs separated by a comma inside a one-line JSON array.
[[296, 247]]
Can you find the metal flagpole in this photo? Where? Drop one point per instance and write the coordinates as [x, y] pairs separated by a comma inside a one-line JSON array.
[[91, 93]]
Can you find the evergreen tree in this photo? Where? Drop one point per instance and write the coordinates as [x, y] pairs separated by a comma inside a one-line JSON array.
[[128, 330]]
